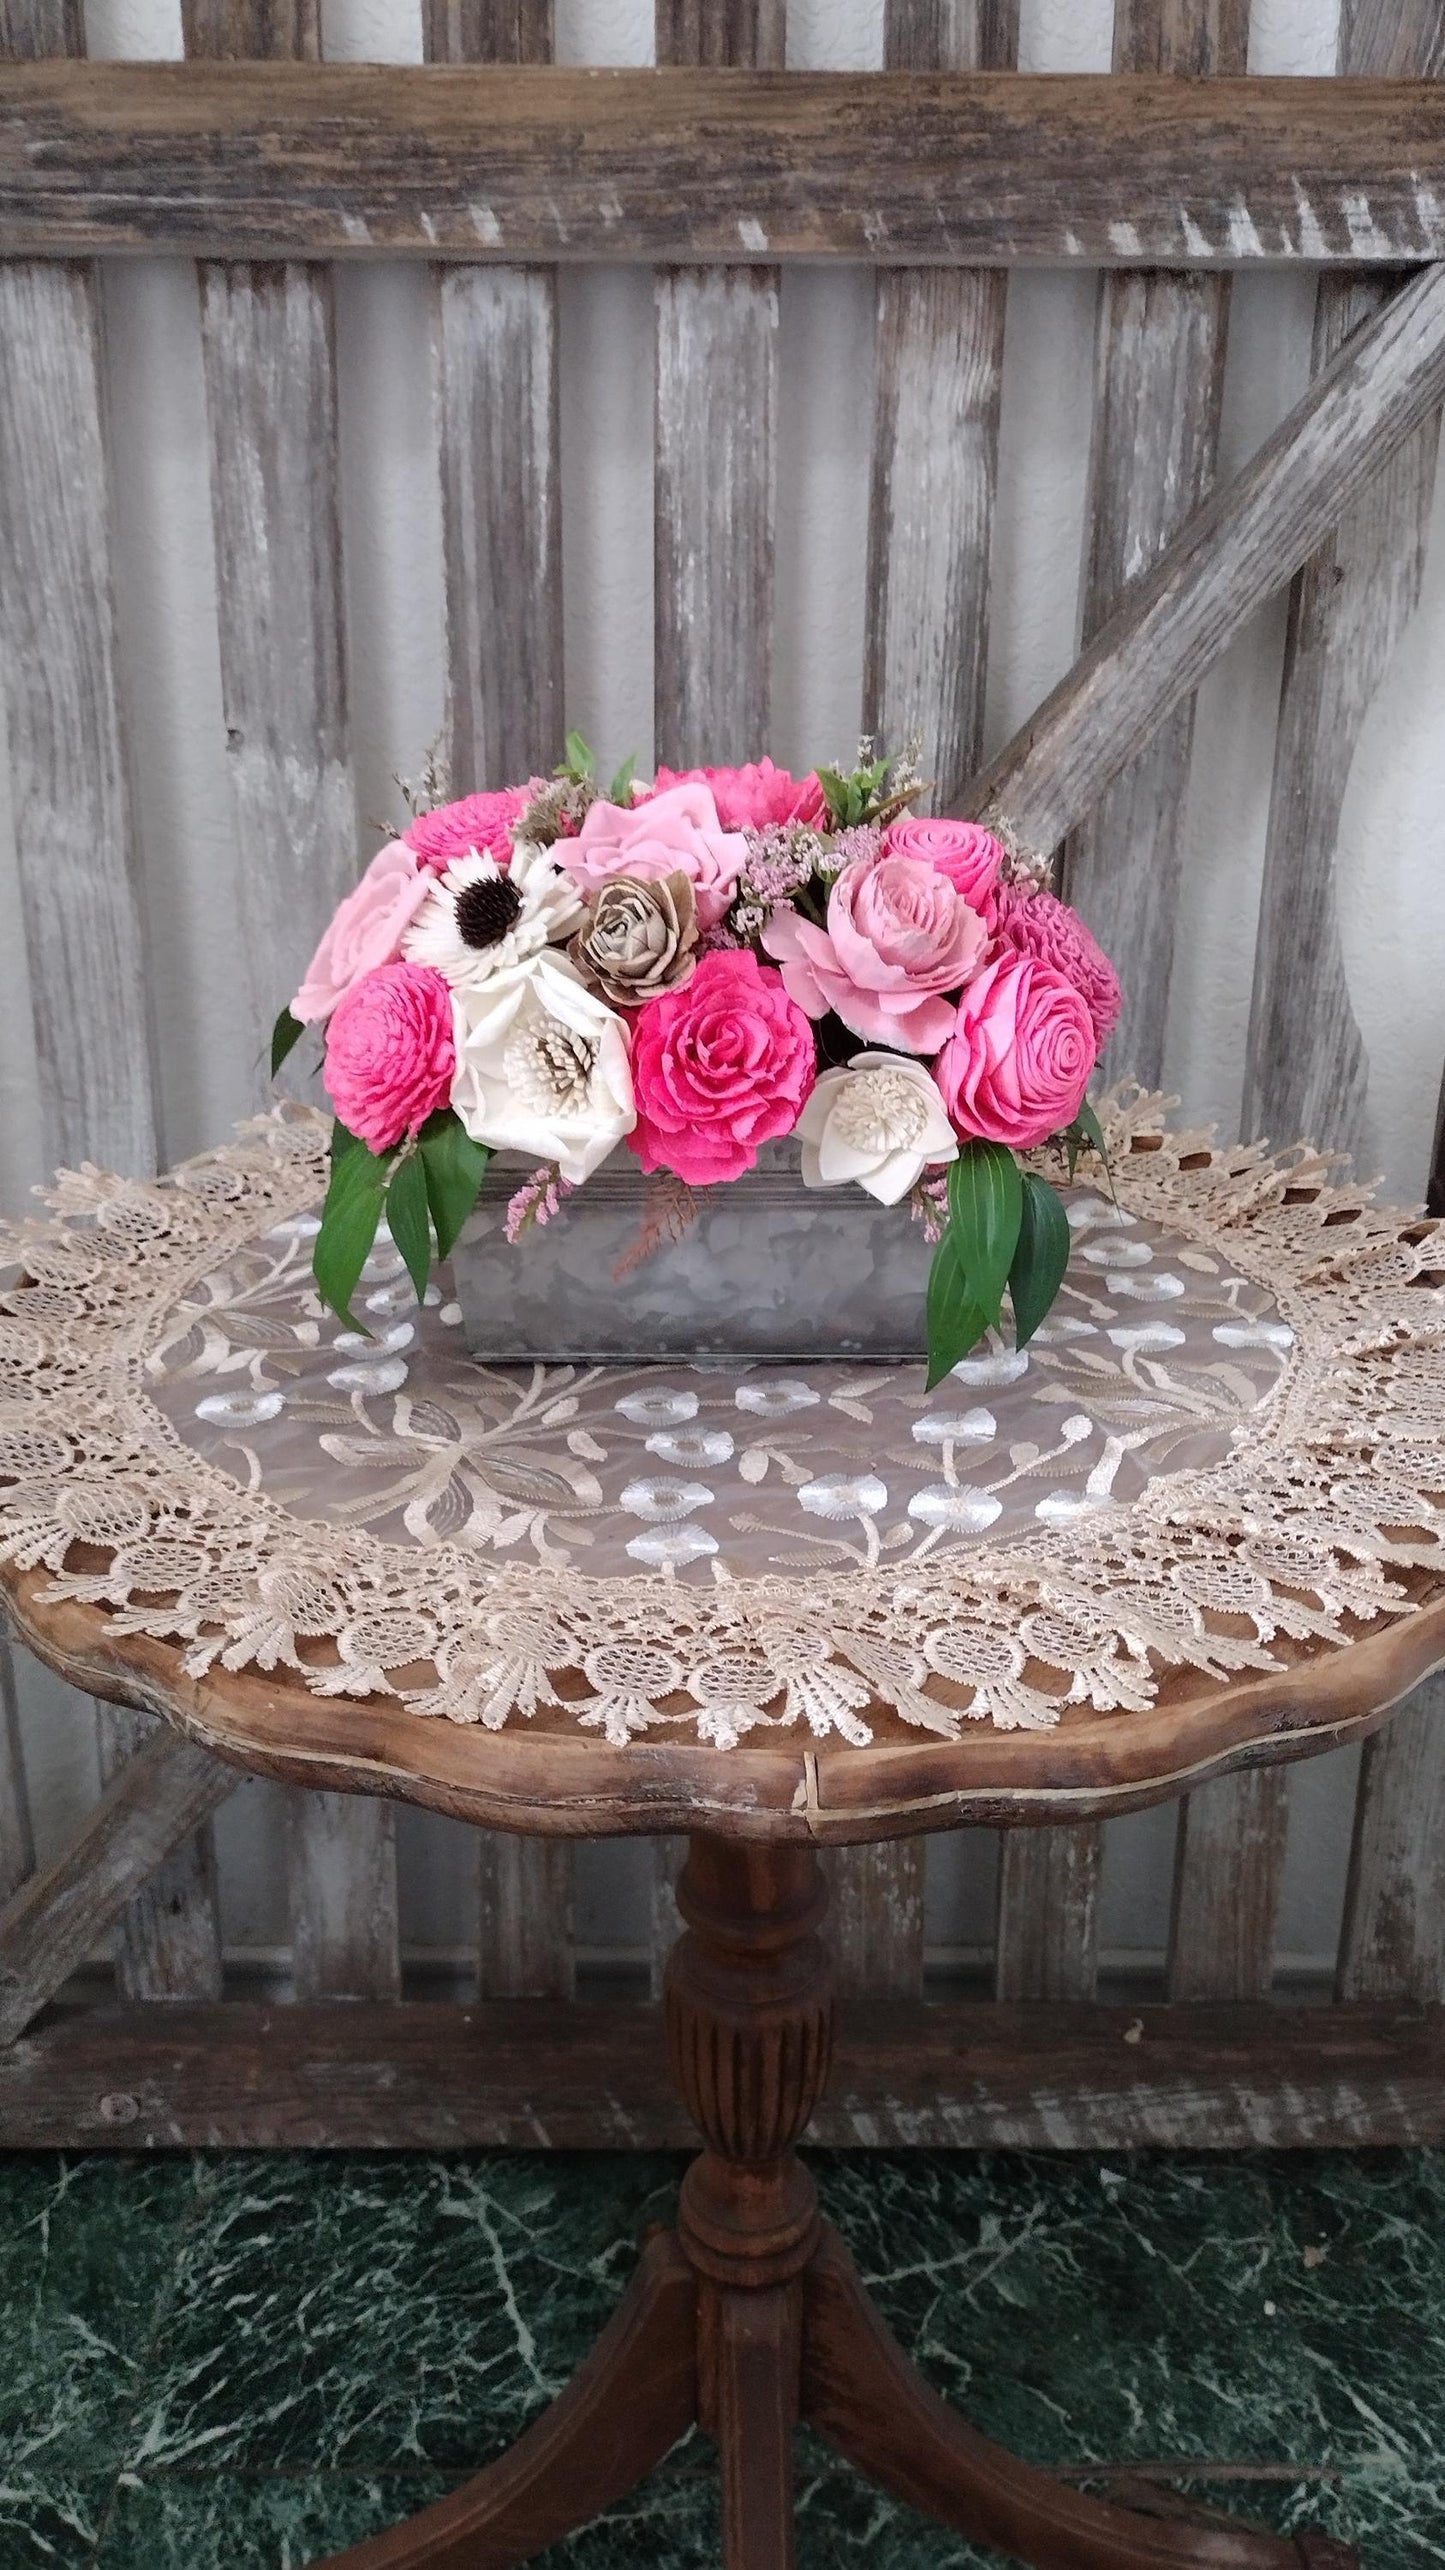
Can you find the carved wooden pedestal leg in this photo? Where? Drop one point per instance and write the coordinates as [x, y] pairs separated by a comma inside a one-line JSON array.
[[751, 2315]]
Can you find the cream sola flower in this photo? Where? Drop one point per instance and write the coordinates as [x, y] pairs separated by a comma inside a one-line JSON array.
[[543, 1067], [879, 1121], [481, 919]]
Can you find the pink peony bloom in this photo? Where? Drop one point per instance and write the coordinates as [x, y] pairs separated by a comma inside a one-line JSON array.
[[676, 832], [898, 937], [391, 1054], [1017, 1064], [969, 855], [365, 931], [748, 798], [718, 1068], [1036, 923], [479, 821]]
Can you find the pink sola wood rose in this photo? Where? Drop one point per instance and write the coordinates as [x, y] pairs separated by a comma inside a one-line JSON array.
[[969, 855], [479, 821], [718, 1068], [752, 797], [898, 937], [1036, 923], [674, 833], [391, 1054], [1018, 1061], [366, 930]]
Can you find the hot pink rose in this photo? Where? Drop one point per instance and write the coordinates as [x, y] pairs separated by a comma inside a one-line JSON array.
[[479, 821], [969, 855], [1017, 1064], [366, 930], [390, 1052], [718, 1068], [678, 831], [898, 936], [748, 798], [1035, 923]]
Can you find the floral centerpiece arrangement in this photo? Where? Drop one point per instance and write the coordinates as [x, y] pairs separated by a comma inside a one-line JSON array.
[[687, 970]]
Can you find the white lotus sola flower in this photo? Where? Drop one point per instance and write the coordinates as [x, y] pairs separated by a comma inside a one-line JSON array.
[[878, 1121]]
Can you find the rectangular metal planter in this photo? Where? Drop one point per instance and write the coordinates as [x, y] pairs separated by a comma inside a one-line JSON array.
[[770, 1268]]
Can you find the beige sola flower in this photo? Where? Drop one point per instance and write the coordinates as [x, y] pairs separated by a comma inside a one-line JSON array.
[[543, 1067], [640, 938], [878, 1120], [481, 918]]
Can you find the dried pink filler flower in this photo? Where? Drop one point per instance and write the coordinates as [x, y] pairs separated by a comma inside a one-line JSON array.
[[1037, 923], [536, 1201]]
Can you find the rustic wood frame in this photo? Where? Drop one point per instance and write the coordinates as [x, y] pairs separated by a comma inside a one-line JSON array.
[[265, 164]]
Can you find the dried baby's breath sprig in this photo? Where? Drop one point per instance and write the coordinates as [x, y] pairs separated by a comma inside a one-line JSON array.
[[556, 811], [928, 1204], [433, 785], [1022, 864]]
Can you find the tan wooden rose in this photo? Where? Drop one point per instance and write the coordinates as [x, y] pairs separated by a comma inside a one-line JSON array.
[[639, 938]]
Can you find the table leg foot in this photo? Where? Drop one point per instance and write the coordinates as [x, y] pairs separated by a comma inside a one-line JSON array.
[[749, 2360], [862, 2394], [633, 2398]]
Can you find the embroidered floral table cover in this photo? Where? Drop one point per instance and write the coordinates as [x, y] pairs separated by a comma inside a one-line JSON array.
[[1228, 1427]]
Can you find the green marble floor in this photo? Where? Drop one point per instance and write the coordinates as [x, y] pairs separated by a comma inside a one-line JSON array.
[[251, 2361]]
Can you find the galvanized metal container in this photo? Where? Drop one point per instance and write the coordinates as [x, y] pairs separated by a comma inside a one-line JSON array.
[[770, 1268]]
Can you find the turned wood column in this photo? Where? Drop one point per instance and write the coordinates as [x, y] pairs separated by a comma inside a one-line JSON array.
[[748, 2004]]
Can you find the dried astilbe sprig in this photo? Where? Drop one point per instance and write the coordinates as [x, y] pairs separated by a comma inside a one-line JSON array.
[[670, 1211], [536, 1201]]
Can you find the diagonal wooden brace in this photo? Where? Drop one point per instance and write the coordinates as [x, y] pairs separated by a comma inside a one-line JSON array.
[[156, 1800], [1241, 546]]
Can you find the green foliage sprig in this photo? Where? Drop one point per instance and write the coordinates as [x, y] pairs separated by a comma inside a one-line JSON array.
[[1007, 1232], [426, 1189]]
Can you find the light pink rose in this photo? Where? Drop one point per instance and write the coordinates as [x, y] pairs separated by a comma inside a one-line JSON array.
[[674, 833], [391, 1053], [365, 931], [969, 855], [1036, 923], [748, 798], [1017, 1064], [479, 821], [718, 1068], [898, 937]]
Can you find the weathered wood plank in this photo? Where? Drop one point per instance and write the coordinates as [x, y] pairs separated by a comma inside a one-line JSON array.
[[1305, 1067], [908, 169], [31, 29], [52, 1923], [271, 30], [528, 2075], [1393, 1942], [341, 1872], [1228, 1869], [716, 407], [526, 1948], [487, 30], [1226, 560], [17, 1843], [494, 340], [168, 1942], [668, 1856], [1159, 360], [875, 1918], [939, 364], [1048, 1899]]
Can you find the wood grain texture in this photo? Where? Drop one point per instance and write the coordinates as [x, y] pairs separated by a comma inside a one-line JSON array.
[[487, 30], [1225, 561], [526, 1949], [168, 1941], [341, 1871], [875, 1921], [1228, 1870], [1393, 1942], [52, 1923], [906, 169], [268, 30], [32, 29], [1159, 381], [716, 35], [950, 35], [17, 1843], [532, 2075], [1048, 1900], [665, 1925]]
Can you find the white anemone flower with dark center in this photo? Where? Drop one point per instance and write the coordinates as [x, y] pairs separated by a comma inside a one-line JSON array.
[[481, 919]]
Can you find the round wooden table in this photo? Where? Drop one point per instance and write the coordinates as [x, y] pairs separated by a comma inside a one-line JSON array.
[[1259, 1348]]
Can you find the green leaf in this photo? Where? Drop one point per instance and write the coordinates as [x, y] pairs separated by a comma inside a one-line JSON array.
[[1094, 1133], [342, 1141], [348, 1225], [1040, 1258], [578, 759], [620, 790], [455, 1167], [985, 1206], [955, 1323], [835, 792], [408, 1220], [286, 1032]]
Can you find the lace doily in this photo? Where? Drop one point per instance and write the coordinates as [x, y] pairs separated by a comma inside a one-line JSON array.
[[1229, 1429]]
